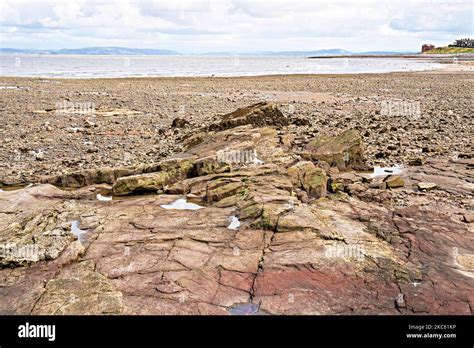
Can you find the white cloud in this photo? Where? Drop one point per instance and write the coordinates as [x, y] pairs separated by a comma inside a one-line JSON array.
[[234, 25]]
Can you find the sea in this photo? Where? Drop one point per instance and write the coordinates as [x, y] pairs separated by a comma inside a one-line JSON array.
[[92, 66]]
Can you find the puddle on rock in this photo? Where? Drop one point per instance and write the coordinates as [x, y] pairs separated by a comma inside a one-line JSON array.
[[181, 204], [245, 309], [77, 231], [379, 171], [103, 198], [234, 223]]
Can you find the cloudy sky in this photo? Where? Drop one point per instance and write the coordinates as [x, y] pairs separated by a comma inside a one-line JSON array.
[[192, 26]]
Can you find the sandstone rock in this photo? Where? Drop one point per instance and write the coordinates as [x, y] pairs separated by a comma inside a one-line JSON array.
[[345, 254], [340, 181], [313, 180], [419, 161], [394, 181], [79, 290], [378, 183], [258, 115], [108, 175], [171, 173], [141, 183], [31, 231], [88, 177], [468, 217], [184, 260], [345, 151]]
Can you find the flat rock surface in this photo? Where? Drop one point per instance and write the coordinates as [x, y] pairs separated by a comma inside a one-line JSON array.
[[361, 250]]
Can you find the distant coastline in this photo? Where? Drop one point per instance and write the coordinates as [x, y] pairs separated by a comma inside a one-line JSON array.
[[417, 56], [94, 66], [121, 51]]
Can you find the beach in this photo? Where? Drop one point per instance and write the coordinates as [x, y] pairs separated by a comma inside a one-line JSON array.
[[85, 123], [282, 194]]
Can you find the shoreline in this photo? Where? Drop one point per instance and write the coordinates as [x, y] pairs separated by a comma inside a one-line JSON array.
[[461, 67], [469, 56], [448, 66], [437, 64]]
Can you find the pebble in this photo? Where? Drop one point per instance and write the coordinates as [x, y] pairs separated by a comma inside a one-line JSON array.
[[426, 186]]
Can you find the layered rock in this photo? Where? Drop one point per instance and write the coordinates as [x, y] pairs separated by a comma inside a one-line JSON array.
[[299, 248], [258, 115], [168, 173], [88, 177]]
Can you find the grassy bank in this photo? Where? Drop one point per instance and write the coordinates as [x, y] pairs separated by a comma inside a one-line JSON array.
[[450, 50]]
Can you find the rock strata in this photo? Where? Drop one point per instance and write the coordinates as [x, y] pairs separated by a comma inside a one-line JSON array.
[[315, 235]]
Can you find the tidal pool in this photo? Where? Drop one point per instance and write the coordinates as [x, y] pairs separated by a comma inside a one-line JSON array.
[[77, 231], [103, 198], [378, 171], [181, 204], [234, 223]]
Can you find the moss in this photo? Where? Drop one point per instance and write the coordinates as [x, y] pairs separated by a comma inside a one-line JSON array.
[[336, 187], [338, 143], [253, 210], [226, 190], [267, 220], [227, 202], [343, 151], [209, 165], [317, 179], [186, 166]]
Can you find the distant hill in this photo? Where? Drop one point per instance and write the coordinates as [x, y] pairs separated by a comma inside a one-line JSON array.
[[152, 51], [116, 51], [22, 51], [94, 51]]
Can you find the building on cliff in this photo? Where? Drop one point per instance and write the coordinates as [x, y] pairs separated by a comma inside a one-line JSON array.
[[427, 47]]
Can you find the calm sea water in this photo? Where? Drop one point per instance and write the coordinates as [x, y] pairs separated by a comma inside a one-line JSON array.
[[130, 66]]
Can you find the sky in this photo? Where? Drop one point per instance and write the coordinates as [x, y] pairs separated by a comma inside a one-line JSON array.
[[196, 26]]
